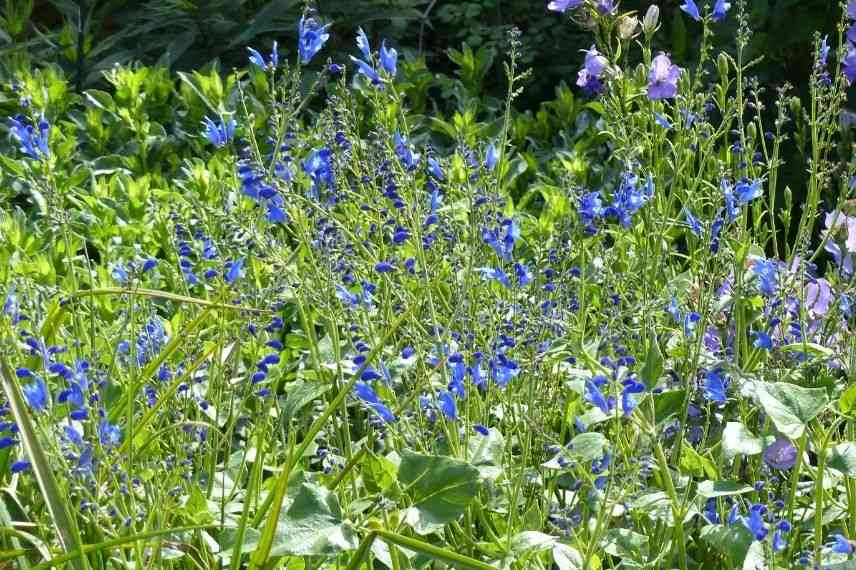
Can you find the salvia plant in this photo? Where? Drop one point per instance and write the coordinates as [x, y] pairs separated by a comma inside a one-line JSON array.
[[274, 320]]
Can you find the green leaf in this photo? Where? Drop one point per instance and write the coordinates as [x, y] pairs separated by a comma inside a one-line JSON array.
[[653, 368], [791, 407], [567, 557], [589, 446], [695, 464], [485, 453], [842, 457], [711, 489], [667, 405], [732, 542], [624, 543], [301, 393], [440, 489], [808, 348], [378, 473], [738, 440], [312, 525], [847, 403], [530, 541]]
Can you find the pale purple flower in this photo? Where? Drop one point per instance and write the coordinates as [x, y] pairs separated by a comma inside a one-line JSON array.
[[563, 6], [720, 10], [848, 64], [663, 78], [851, 9], [818, 297], [589, 77], [781, 454], [690, 8]]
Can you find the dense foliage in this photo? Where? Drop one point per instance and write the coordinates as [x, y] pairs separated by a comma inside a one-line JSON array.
[[331, 310]]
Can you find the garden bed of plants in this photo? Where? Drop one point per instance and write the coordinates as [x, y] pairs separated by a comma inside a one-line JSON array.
[[296, 315]]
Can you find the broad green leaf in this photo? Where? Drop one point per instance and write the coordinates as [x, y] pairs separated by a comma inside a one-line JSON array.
[[695, 464], [440, 488], [589, 446], [667, 405], [568, 558], [301, 393], [843, 458], [732, 542], [791, 407], [312, 525], [711, 489], [530, 540], [738, 440], [485, 453], [624, 543], [378, 473], [847, 402]]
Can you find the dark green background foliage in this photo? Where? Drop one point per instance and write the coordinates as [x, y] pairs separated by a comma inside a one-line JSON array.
[[188, 34]]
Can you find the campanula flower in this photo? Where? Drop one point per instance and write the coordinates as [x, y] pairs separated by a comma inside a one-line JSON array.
[[663, 78], [848, 64], [219, 134], [818, 297], [715, 386], [311, 38], [720, 10], [563, 6], [388, 59], [690, 8], [762, 340], [781, 454], [590, 76]]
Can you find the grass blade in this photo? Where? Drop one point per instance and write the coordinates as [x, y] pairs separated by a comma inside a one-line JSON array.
[[66, 528]]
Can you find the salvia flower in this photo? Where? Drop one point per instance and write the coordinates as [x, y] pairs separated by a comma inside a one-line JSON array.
[[755, 521], [388, 59], [370, 398], [311, 38], [491, 157], [363, 44], [767, 271], [33, 143], [715, 386], [219, 134], [366, 70], [36, 394], [841, 545], [447, 405], [663, 78], [563, 6]]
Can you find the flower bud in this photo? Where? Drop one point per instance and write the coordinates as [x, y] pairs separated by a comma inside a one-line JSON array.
[[651, 20], [627, 27], [722, 66]]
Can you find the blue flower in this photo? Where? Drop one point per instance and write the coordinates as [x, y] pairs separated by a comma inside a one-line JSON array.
[[563, 6], [747, 191], [767, 272], [447, 405], [366, 70], [594, 396], [403, 150], [690, 321], [384, 267], [762, 340], [720, 10], [692, 222], [435, 170], [781, 454], [629, 400], [219, 134], [662, 121], [715, 386], [319, 166], [388, 59], [524, 275], [311, 38], [755, 521], [495, 274], [673, 310], [36, 394], [663, 78], [370, 398], [234, 270], [841, 545], [481, 430], [710, 512], [363, 43], [715, 228], [32, 144], [108, 434], [502, 241], [779, 541], [256, 58], [590, 209], [21, 465], [491, 157], [689, 6], [590, 77]]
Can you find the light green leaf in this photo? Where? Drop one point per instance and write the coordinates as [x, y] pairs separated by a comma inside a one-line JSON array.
[[738, 440], [439, 487], [567, 557], [732, 542], [710, 489], [311, 525], [485, 453], [589, 446], [300, 394], [791, 407], [843, 458]]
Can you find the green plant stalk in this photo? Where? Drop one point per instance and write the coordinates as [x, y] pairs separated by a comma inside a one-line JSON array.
[[362, 551], [676, 512], [67, 531], [444, 555], [262, 553]]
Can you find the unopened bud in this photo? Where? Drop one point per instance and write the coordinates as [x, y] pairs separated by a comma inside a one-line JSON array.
[[651, 20], [627, 27], [722, 66]]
